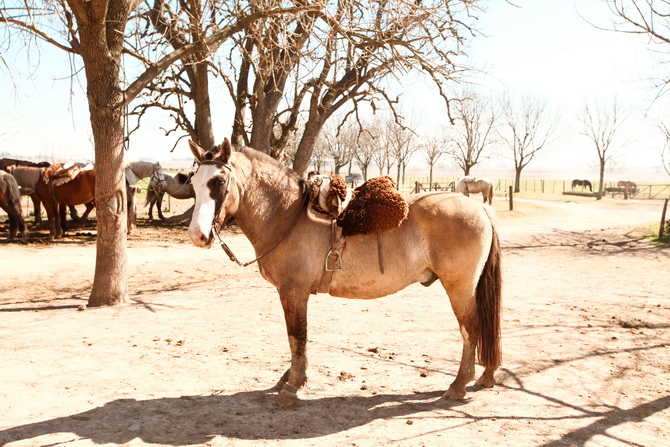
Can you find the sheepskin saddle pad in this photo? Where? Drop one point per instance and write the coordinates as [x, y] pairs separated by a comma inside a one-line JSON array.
[[328, 196], [59, 174], [376, 206]]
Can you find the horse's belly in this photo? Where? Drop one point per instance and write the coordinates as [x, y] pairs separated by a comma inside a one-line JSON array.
[[371, 284]]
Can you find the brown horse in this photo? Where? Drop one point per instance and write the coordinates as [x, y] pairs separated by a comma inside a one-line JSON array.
[[78, 191], [10, 201], [445, 237]]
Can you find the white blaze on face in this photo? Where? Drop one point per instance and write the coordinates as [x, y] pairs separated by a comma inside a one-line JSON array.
[[203, 213]]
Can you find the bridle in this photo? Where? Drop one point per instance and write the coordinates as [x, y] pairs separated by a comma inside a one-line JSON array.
[[155, 175], [216, 227]]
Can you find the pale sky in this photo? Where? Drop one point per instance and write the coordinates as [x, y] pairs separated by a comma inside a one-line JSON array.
[[541, 48]]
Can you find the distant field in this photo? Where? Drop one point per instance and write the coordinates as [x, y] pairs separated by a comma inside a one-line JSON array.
[[542, 187]]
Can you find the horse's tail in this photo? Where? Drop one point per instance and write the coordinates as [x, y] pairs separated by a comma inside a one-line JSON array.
[[491, 195], [489, 306]]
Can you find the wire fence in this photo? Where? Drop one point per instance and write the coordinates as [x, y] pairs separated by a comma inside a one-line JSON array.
[[414, 184]]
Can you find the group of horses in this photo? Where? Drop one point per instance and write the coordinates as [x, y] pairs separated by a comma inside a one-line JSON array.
[[59, 186]]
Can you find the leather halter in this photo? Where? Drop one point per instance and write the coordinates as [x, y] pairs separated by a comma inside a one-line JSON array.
[[221, 206]]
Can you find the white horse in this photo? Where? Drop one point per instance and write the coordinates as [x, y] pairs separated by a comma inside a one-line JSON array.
[[137, 170], [469, 184], [178, 187]]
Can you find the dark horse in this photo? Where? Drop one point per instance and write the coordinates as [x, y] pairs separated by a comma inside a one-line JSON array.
[[583, 184], [5, 163], [10, 201], [445, 237]]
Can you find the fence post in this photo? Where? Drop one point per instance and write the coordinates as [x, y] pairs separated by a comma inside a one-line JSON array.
[[511, 198], [661, 230]]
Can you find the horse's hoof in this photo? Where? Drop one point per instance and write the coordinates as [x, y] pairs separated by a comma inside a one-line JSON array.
[[487, 381], [288, 396], [453, 394]]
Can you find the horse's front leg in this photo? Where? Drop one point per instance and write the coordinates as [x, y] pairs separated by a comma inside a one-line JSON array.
[[295, 314], [159, 205]]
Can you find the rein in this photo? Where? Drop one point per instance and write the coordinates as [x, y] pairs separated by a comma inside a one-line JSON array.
[[226, 248], [231, 255]]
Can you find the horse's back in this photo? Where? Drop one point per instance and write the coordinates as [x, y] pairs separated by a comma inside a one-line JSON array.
[[445, 235]]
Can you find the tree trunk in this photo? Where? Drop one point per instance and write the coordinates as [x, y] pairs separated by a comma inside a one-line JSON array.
[[101, 44], [397, 183], [430, 178], [517, 179], [203, 113], [602, 179], [306, 146]]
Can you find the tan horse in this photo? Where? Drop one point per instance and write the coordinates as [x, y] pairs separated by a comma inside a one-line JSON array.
[[469, 184], [445, 237]]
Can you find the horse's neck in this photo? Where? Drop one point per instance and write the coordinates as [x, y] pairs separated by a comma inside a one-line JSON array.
[[268, 205], [141, 169]]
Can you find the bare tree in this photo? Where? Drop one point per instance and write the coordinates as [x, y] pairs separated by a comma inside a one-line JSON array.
[[335, 147], [600, 123], [95, 31], [365, 149], [434, 148], [665, 150], [648, 18], [319, 156], [400, 140], [318, 62], [528, 127], [383, 157], [475, 119]]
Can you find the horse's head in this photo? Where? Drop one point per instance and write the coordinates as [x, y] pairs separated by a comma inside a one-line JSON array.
[[215, 199], [158, 177]]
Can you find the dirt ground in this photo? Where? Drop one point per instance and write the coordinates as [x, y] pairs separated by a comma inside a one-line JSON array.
[[191, 359]]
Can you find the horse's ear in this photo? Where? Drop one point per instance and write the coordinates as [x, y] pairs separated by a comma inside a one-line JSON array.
[[198, 152], [226, 150]]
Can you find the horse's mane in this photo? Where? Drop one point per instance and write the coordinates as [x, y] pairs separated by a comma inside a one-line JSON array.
[[256, 155], [181, 177]]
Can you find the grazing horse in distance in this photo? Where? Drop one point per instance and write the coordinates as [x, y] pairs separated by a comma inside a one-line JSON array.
[[470, 184], [626, 184], [10, 201], [178, 186], [445, 237], [583, 183]]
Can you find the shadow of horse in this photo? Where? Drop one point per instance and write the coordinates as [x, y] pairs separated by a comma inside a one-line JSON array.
[[248, 415]]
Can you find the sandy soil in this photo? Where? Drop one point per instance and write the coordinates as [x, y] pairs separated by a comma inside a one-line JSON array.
[[191, 359]]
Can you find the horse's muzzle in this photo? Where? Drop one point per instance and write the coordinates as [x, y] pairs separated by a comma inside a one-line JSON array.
[[201, 239]]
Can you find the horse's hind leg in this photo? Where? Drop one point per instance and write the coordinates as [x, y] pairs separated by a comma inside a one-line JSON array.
[[295, 314], [89, 207], [463, 304]]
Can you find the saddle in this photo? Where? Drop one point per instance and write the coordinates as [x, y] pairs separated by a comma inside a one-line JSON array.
[[59, 174], [373, 207]]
